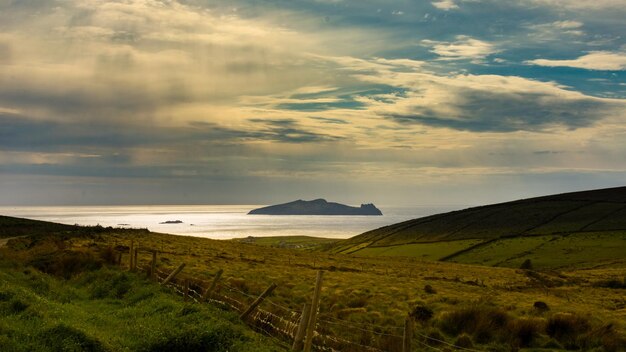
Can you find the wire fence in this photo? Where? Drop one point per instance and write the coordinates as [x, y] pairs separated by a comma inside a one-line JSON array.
[[281, 323]]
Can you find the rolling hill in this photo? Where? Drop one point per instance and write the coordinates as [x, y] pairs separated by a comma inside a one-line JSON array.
[[580, 229]]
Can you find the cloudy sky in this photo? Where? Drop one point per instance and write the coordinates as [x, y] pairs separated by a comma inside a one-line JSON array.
[[255, 102]]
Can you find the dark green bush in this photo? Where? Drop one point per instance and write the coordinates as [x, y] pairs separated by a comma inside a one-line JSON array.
[[220, 338], [112, 285], [63, 338], [66, 264], [565, 328], [14, 306], [527, 265], [422, 313], [482, 322], [525, 331], [5, 296]]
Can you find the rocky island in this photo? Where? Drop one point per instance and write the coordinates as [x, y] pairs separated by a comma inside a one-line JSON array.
[[316, 207]]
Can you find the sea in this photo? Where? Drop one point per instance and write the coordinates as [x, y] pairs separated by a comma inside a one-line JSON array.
[[221, 221]]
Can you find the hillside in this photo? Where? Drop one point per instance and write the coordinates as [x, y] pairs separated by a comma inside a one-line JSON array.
[[585, 227], [64, 290]]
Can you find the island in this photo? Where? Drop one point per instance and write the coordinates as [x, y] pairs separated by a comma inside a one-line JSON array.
[[316, 207], [171, 222]]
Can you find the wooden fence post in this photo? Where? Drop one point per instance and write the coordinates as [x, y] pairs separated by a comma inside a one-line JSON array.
[[313, 316], [130, 255], [173, 274], [209, 290], [298, 342], [153, 265], [257, 301], [135, 259], [408, 334]]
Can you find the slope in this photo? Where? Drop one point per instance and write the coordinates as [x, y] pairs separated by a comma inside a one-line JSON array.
[[588, 218]]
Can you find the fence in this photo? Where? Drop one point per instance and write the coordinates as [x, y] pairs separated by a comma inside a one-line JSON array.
[[297, 331]]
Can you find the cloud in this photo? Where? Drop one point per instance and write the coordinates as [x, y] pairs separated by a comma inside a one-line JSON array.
[[582, 5], [445, 5], [595, 60], [482, 103], [463, 48], [568, 24]]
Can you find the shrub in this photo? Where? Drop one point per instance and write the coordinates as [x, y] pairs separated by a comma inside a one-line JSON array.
[[15, 306], [482, 322], [109, 255], [565, 328], [65, 338], [524, 331], [429, 289], [5, 296], [526, 265], [357, 302], [421, 313], [67, 263], [605, 337], [613, 283], [114, 285], [220, 338], [541, 306]]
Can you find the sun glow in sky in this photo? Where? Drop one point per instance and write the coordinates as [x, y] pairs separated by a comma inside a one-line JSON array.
[[391, 102]]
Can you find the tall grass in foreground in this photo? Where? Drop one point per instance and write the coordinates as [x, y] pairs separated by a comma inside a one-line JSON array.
[[110, 310]]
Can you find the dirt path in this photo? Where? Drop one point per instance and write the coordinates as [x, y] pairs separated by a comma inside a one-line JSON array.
[[3, 241]]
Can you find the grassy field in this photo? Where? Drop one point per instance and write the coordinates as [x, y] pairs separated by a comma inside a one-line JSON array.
[[110, 310], [366, 298], [426, 251], [580, 250], [296, 242], [598, 210]]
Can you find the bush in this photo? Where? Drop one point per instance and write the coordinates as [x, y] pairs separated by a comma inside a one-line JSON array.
[[221, 338], [565, 328], [113, 285], [15, 306], [613, 283], [421, 313], [482, 322], [429, 289], [527, 265], [64, 338], [524, 331], [109, 255], [67, 263], [605, 337], [357, 302], [5, 296], [541, 307]]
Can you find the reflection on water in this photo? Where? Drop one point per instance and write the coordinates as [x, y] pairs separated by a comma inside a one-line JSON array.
[[221, 221]]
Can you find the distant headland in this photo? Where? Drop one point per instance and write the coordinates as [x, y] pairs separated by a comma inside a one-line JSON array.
[[316, 207]]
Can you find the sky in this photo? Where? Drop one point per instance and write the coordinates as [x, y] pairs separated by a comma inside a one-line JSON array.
[[255, 102]]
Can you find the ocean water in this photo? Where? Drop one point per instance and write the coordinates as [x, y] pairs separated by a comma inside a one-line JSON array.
[[221, 221]]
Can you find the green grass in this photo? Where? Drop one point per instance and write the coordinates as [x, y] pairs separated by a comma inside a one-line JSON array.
[[578, 250], [372, 291], [109, 310], [597, 210], [428, 251], [578, 219], [298, 242]]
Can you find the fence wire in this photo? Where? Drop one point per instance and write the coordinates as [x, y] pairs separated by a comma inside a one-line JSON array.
[[280, 328]]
